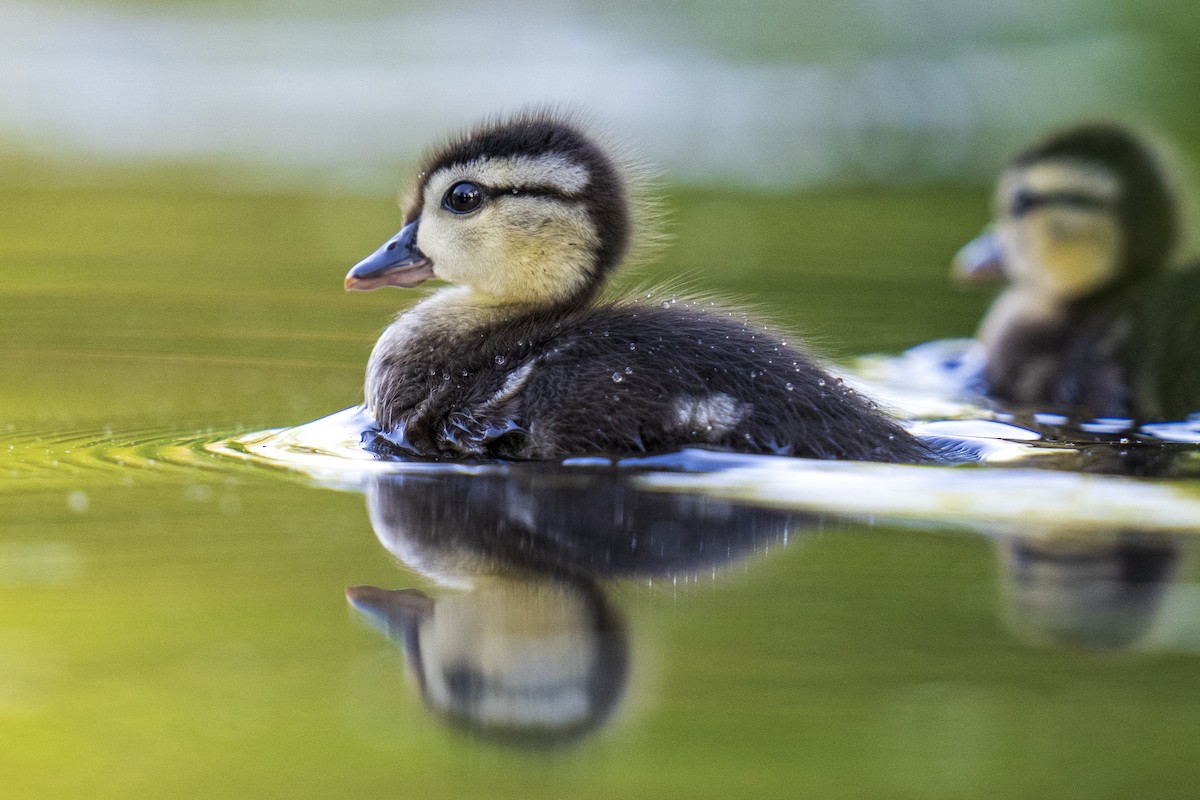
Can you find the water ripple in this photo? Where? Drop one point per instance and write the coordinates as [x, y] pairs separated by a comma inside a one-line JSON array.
[[38, 458]]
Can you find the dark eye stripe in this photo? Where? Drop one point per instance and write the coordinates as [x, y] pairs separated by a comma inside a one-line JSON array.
[[530, 191], [1024, 202]]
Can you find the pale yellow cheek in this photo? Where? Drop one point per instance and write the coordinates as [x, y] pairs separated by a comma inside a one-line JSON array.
[[457, 247], [1062, 258], [1083, 258], [547, 263], [1081, 267], [524, 251]]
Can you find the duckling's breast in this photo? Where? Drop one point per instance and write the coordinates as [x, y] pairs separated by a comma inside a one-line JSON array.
[[1068, 364]]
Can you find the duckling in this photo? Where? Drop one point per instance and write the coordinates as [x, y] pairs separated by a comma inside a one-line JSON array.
[[1092, 324], [521, 359]]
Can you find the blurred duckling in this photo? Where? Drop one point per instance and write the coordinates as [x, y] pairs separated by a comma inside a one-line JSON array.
[[1092, 323], [529, 215]]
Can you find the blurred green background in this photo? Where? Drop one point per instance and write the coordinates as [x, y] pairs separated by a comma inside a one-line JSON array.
[[182, 183], [182, 188], [767, 94]]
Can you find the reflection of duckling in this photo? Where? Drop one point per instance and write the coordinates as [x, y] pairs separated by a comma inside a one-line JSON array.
[[1086, 591], [453, 527], [529, 216], [534, 661], [531, 651], [1091, 322]]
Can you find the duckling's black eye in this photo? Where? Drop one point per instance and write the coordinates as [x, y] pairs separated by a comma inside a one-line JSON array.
[[463, 197]]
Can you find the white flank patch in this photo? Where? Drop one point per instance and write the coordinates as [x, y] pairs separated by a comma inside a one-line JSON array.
[[716, 414]]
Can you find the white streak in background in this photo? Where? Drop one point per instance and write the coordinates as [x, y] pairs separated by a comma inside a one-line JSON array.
[[353, 98]]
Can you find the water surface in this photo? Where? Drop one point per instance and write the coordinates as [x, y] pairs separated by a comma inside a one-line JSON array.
[[176, 617]]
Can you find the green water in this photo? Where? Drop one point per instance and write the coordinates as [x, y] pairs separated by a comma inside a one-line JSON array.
[[174, 622]]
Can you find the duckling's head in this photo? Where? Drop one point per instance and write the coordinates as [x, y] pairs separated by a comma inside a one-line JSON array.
[[1084, 210], [526, 210]]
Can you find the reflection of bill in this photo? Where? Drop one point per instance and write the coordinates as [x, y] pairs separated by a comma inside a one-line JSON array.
[[528, 661], [1094, 591], [531, 652]]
